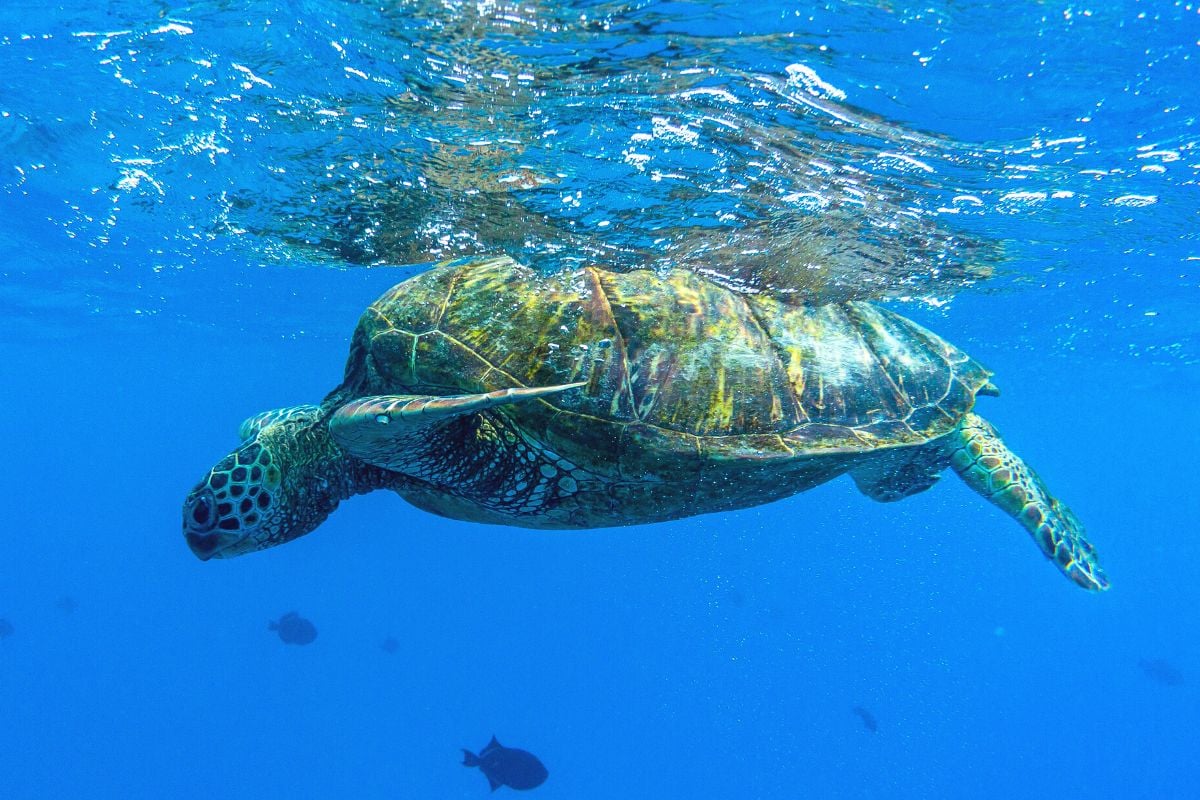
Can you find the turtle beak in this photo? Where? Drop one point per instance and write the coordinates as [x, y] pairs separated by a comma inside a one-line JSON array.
[[209, 545]]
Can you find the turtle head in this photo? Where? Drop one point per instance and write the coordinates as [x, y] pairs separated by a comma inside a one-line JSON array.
[[278, 485]]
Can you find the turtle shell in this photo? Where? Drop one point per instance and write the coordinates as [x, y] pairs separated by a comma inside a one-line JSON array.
[[674, 363]]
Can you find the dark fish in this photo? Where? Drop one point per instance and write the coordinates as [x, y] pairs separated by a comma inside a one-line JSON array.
[[507, 766], [1162, 671], [390, 645], [868, 719], [66, 605], [6, 628], [294, 629]]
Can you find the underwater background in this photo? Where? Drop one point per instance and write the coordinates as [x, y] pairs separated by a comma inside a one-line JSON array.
[[197, 201]]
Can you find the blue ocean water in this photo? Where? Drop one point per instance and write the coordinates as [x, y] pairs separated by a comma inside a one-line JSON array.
[[199, 199]]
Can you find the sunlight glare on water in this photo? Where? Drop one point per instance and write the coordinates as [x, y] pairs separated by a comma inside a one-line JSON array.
[[630, 134]]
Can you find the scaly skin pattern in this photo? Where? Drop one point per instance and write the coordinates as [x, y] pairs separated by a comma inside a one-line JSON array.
[[448, 443], [253, 425], [982, 459], [485, 460], [280, 483]]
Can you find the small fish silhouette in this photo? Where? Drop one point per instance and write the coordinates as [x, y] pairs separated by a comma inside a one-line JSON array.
[[294, 629], [66, 604], [390, 645], [507, 766], [868, 719], [1162, 671], [6, 628]]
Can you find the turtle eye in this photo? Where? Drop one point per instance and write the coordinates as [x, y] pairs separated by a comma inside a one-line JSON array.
[[201, 513]]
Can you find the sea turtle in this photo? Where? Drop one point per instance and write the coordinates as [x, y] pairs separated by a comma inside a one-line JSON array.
[[483, 390]]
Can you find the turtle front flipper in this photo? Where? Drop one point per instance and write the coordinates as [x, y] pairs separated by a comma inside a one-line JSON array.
[[987, 465], [390, 430]]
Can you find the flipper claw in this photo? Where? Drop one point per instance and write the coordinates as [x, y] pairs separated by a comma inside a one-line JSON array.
[[982, 459]]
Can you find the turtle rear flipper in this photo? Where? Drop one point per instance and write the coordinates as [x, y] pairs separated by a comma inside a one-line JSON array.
[[987, 465]]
